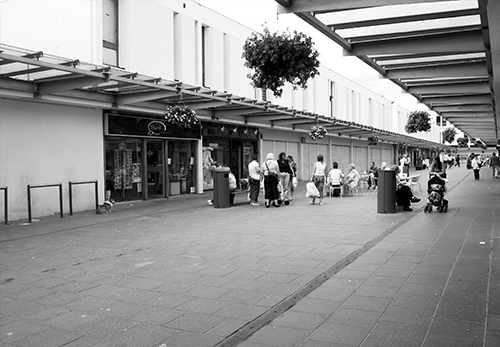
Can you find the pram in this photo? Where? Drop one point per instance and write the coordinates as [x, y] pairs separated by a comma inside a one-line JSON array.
[[436, 190]]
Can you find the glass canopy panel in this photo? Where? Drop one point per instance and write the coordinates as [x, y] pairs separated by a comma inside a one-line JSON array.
[[394, 11]]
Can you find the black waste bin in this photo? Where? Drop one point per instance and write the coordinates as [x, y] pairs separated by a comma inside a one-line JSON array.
[[386, 191], [221, 189]]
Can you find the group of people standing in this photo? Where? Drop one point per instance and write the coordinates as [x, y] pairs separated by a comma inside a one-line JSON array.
[[476, 162], [278, 177]]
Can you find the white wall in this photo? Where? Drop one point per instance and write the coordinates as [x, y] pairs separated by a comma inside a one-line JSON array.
[[146, 38], [49, 144], [71, 29]]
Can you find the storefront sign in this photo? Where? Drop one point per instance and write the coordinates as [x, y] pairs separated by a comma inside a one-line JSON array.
[[147, 127]]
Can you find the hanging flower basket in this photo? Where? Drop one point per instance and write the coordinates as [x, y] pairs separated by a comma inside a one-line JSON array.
[[372, 140], [480, 143], [317, 132], [280, 57], [462, 141], [418, 121], [402, 145], [181, 115], [449, 135]]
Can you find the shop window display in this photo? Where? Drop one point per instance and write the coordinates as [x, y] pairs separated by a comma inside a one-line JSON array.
[[123, 169], [181, 160]]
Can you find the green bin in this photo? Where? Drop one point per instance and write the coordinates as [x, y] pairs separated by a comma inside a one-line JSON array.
[[386, 196], [221, 189]]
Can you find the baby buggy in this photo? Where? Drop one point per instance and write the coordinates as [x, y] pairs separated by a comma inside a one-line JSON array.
[[436, 190]]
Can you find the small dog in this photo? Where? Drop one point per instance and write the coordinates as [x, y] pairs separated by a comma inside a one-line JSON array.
[[106, 207]]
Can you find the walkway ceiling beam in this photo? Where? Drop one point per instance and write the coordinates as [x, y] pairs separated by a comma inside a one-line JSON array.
[[417, 34], [458, 99], [470, 115], [319, 6], [464, 108], [405, 19], [458, 43], [440, 81], [429, 57], [409, 63], [327, 31], [437, 71], [459, 88]]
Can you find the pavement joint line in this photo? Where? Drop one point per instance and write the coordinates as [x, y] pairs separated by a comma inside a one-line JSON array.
[[267, 317], [253, 326]]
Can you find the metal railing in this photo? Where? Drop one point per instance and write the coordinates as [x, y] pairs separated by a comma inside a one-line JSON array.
[[71, 184], [5, 201], [31, 186]]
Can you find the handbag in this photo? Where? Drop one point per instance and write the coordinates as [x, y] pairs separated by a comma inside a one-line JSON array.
[[272, 174], [311, 190]]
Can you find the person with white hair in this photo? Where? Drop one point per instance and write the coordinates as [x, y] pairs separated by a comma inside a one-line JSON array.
[[270, 169], [352, 180]]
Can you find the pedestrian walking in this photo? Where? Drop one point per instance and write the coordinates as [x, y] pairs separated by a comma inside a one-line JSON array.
[[476, 166], [494, 164], [254, 180], [285, 178], [295, 179], [271, 171], [319, 178]]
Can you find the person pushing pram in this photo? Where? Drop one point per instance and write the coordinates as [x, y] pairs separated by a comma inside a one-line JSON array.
[[436, 187]]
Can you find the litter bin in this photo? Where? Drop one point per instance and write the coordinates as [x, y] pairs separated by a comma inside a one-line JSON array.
[[386, 196], [221, 188]]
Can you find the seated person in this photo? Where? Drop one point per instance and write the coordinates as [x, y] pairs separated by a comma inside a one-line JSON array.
[[372, 175], [404, 196], [232, 188], [352, 180], [335, 177]]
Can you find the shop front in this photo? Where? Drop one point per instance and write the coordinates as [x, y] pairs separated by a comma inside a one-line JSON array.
[[229, 146], [147, 158]]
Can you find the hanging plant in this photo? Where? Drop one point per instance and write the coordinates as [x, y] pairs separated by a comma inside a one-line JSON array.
[[280, 57], [317, 132], [372, 140], [418, 120], [181, 115], [462, 141], [449, 135], [480, 143], [402, 145]]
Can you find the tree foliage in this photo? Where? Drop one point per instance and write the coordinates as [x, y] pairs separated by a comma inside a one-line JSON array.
[[280, 57], [418, 121], [449, 135], [463, 141]]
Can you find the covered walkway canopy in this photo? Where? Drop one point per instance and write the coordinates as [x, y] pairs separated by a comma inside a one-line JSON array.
[[35, 76], [446, 53]]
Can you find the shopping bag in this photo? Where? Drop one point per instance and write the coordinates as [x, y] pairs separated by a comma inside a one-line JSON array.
[[311, 190], [295, 182]]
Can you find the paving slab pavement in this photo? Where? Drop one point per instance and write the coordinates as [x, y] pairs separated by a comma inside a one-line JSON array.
[[178, 272]]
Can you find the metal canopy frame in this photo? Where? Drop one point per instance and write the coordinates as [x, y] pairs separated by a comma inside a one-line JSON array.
[[446, 53], [38, 77]]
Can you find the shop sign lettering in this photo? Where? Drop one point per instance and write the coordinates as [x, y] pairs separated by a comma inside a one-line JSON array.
[[156, 128]]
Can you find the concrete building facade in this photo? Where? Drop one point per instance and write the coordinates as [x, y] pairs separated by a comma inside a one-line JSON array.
[[61, 138]]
